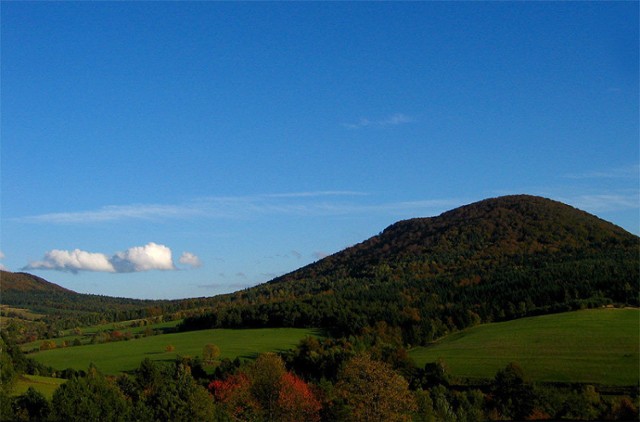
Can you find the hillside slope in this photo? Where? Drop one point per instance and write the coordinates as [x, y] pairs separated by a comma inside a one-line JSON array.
[[496, 259], [24, 282], [598, 346], [63, 308], [510, 229]]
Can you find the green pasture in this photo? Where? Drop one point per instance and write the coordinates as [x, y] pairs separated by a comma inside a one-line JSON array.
[[599, 346], [122, 356], [125, 326], [44, 385], [88, 332]]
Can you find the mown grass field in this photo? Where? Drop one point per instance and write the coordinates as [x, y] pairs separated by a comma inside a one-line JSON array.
[[44, 385], [122, 356], [591, 346]]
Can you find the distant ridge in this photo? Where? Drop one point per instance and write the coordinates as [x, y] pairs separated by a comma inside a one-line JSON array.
[[24, 282], [25, 290]]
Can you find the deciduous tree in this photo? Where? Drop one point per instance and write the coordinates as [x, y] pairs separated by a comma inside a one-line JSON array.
[[91, 398], [266, 392], [210, 352], [296, 401], [374, 392]]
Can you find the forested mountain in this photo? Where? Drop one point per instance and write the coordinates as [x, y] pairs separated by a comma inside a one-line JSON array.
[[496, 259], [499, 258]]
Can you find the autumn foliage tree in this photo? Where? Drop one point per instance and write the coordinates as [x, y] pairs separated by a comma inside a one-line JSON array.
[[234, 395], [210, 352], [372, 391], [266, 391], [296, 401]]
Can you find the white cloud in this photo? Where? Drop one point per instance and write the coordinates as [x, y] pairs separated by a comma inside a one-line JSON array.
[[190, 259], [2, 267], [152, 256], [73, 261], [144, 258]]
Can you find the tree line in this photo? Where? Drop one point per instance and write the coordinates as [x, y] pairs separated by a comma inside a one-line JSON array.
[[362, 379]]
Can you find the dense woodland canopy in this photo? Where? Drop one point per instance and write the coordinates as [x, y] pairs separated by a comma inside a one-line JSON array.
[[496, 259]]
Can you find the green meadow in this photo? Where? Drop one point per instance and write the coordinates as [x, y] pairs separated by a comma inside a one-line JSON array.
[[88, 332], [598, 346], [122, 356], [44, 385]]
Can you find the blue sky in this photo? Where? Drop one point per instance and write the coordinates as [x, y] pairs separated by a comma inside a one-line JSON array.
[[168, 150]]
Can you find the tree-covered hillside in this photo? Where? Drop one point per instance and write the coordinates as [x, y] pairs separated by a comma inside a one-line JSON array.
[[495, 259]]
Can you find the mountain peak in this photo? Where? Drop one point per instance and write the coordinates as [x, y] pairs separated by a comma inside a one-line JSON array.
[[489, 230]]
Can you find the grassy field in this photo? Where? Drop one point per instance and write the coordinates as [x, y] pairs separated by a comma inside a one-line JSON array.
[[121, 356], [590, 346], [88, 332], [44, 385], [125, 326]]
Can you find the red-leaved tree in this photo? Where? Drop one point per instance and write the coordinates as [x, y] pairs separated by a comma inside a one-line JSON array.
[[264, 393], [296, 401], [234, 394]]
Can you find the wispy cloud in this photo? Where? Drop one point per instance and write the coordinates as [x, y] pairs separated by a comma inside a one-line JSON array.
[[324, 203], [192, 260], [317, 255], [594, 200], [392, 120], [151, 256], [225, 287], [119, 212], [605, 202], [627, 172], [313, 194]]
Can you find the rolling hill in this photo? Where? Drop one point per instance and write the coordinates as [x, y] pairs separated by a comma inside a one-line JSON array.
[[497, 259], [62, 308], [24, 282]]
